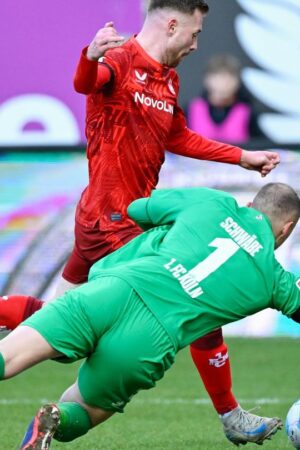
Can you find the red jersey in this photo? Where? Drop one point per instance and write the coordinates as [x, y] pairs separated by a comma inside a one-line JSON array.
[[131, 120]]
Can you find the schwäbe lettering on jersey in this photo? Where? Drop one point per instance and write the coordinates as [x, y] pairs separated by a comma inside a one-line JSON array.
[[246, 241]]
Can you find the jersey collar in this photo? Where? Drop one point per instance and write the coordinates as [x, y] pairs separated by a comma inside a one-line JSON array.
[[157, 66]]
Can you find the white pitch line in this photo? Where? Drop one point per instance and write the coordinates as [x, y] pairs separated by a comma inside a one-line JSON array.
[[23, 401], [159, 401], [206, 401]]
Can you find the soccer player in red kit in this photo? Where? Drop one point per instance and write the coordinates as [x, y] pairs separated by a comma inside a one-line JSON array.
[[132, 117]]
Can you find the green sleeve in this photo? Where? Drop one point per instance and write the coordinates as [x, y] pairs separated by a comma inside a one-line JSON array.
[[286, 292], [164, 205]]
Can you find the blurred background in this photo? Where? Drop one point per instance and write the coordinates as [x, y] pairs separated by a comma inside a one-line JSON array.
[[43, 168]]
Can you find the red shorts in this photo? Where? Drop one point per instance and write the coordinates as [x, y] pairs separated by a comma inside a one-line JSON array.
[[92, 244]]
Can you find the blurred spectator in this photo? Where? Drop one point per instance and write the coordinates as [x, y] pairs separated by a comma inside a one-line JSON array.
[[225, 111]]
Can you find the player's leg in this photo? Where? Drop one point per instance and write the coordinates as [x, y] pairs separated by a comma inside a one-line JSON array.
[[132, 354], [242, 426], [76, 269], [65, 325], [91, 244], [210, 355], [97, 415], [16, 308], [21, 349], [66, 420], [53, 332]]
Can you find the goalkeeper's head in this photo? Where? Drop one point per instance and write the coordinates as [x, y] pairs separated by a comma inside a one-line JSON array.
[[281, 204]]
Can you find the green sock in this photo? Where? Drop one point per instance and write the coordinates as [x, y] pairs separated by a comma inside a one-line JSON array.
[[2, 366], [74, 422]]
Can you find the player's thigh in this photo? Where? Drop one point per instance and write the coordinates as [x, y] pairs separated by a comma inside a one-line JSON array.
[[64, 326], [23, 348], [91, 245], [74, 322], [66, 323], [131, 356]]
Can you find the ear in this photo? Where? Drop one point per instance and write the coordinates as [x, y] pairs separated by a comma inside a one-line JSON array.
[[288, 228], [250, 205], [172, 25], [283, 233]]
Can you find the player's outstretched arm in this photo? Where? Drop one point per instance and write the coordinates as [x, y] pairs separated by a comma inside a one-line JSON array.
[[261, 161], [186, 142]]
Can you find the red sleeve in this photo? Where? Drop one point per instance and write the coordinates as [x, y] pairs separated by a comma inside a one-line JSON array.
[[186, 142], [90, 76]]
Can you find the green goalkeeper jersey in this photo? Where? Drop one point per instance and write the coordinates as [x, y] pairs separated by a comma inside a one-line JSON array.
[[203, 262]]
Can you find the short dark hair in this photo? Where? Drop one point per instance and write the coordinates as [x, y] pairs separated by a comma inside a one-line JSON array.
[[185, 6], [277, 200]]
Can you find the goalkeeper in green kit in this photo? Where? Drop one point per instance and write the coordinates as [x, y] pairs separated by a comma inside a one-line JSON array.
[[202, 262]]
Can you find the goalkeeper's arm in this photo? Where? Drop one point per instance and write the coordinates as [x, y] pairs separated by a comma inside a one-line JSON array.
[[138, 211]]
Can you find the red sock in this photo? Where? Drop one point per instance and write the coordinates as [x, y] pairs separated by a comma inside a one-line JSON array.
[[16, 308], [210, 356]]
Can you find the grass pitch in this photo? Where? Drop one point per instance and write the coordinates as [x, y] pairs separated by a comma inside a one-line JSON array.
[[176, 414]]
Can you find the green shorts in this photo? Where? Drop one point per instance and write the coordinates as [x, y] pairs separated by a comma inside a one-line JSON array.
[[106, 322]]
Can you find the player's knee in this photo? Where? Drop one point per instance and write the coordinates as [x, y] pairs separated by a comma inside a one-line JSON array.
[[96, 415], [72, 394], [209, 341]]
